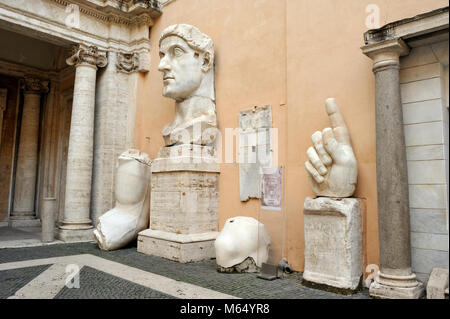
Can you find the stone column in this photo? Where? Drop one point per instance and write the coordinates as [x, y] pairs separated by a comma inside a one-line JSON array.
[[114, 121], [3, 93], [396, 279], [24, 213], [77, 224]]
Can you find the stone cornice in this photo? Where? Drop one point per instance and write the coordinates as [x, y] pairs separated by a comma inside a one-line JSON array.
[[111, 11], [432, 21], [19, 70], [47, 20]]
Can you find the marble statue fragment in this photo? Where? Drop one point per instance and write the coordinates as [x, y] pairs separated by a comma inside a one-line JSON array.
[[185, 175], [121, 225], [332, 221], [187, 65], [242, 245], [255, 149], [331, 166]]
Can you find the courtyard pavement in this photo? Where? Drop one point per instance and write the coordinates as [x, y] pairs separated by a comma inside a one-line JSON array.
[[42, 272]]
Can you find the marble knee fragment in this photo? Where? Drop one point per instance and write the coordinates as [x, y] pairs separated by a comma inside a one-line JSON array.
[[242, 246]]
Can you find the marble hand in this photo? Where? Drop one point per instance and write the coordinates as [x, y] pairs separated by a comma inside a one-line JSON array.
[[331, 166]]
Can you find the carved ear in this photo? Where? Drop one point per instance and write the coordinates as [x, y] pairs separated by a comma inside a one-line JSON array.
[[206, 62]]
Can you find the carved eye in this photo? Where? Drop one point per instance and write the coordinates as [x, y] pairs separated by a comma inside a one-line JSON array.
[[177, 51], [161, 55]]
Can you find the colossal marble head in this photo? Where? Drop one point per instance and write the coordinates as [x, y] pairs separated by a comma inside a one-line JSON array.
[[187, 60]]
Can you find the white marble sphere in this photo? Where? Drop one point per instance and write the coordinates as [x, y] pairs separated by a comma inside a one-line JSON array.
[[239, 240], [120, 225]]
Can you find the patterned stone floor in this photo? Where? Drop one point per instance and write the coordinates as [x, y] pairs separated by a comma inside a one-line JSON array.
[[14, 279], [128, 274], [95, 284]]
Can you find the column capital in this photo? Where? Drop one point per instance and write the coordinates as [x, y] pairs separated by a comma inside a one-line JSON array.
[[82, 54], [34, 85], [127, 62], [386, 53]]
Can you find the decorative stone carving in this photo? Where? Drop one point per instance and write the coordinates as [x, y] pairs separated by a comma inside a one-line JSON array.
[[255, 149], [87, 54], [187, 65], [120, 225], [35, 85], [332, 167], [127, 62], [242, 245], [333, 242]]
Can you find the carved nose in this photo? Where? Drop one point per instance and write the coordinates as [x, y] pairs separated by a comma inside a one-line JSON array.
[[163, 65]]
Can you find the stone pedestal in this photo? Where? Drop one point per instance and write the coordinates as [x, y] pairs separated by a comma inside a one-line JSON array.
[[333, 242], [184, 205]]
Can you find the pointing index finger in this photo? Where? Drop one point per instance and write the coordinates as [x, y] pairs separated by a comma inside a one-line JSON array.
[[337, 122]]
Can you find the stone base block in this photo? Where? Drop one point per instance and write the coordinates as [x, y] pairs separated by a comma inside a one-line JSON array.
[[437, 284], [177, 247], [75, 235], [333, 242], [30, 222]]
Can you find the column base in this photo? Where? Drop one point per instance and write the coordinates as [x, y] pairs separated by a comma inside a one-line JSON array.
[[24, 219], [396, 287], [177, 247], [70, 234]]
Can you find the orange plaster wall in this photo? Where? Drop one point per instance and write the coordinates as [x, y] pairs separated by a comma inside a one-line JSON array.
[[291, 54]]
